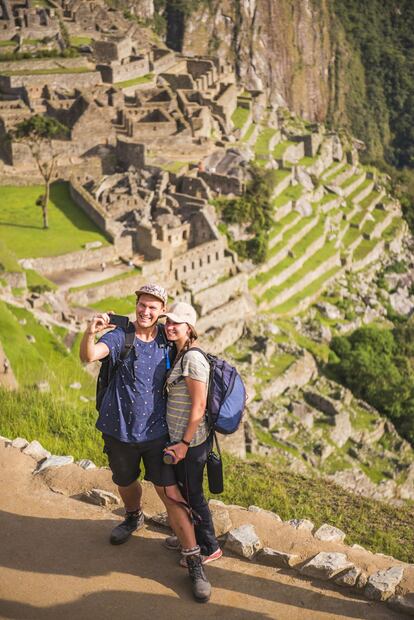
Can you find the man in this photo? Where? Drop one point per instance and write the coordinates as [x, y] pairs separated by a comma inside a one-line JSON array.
[[133, 424]]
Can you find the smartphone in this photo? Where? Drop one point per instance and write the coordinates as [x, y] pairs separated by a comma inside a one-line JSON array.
[[119, 320]]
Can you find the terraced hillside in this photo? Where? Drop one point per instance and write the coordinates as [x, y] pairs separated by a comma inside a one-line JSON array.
[[327, 219]]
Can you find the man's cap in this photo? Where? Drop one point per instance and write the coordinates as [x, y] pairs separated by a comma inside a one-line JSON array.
[[155, 290], [181, 312]]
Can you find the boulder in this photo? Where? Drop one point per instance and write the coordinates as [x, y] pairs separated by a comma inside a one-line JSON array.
[[19, 443], [349, 578], [42, 386], [381, 585], [401, 302], [266, 512], [244, 541], [36, 451], [301, 524], [304, 179], [54, 461], [221, 518], [277, 559], [342, 429], [329, 310], [31, 338], [99, 497], [326, 565], [160, 518], [329, 533]]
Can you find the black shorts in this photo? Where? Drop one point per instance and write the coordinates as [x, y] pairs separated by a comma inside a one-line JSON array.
[[125, 460]]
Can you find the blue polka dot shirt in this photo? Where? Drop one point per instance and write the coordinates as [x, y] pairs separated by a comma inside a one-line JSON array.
[[134, 405]]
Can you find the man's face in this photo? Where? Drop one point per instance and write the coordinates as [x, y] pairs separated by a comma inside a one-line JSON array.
[[148, 310]]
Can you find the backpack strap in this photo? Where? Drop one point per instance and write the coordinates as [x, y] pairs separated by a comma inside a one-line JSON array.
[[181, 358]]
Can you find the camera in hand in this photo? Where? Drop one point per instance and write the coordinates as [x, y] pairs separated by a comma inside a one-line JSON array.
[[119, 320], [169, 457]]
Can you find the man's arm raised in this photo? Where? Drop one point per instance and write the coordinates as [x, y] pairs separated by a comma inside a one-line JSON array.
[[90, 351]]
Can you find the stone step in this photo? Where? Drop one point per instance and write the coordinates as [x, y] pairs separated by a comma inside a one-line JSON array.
[[302, 300], [292, 219], [333, 170], [314, 268], [350, 186], [374, 229], [289, 270], [287, 244], [343, 176], [362, 192]]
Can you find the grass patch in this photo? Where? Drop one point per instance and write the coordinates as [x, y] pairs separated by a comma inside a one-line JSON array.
[[240, 117], [372, 197], [364, 248], [148, 77], [123, 305], [38, 283], [8, 259], [77, 41], [293, 192], [360, 189], [53, 71], [21, 222], [263, 140], [281, 148], [8, 43], [46, 359], [275, 367], [249, 133], [291, 217], [176, 167]]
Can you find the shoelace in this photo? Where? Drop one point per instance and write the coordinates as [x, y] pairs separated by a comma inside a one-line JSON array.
[[195, 569]]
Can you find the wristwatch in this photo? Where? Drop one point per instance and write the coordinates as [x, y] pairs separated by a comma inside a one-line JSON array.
[[186, 443]]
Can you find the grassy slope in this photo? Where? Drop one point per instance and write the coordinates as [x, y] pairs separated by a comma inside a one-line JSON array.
[[375, 525], [21, 222]]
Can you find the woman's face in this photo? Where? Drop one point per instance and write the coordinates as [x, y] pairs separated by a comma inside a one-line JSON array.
[[176, 331]]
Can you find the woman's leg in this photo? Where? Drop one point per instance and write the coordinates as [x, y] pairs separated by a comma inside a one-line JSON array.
[[177, 515], [189, 474]]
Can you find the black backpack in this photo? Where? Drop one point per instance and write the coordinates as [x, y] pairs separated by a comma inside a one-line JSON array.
[[108, 371]]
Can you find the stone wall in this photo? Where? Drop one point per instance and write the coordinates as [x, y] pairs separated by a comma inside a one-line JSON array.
[[73, 260], [218, 295], [130, 153], [297, 375], [374, 255], [234, 311], [282, 185], [194, 186], [222, 183], [17, 83], [118, 288], [91, 207], [286, 293], [119, 71]]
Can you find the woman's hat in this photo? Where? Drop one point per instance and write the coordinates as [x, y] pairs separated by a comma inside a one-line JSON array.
[[181, 312]]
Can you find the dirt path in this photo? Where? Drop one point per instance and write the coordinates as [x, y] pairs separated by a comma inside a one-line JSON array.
[[7, 379], [79, 277], [56, 563]]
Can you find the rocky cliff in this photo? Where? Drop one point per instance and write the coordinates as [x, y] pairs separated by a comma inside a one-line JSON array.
[[280, 46]]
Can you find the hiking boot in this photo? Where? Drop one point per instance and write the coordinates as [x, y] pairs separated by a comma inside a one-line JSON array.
[[132, 522], [199, 583], [205, 559], [172, 543]]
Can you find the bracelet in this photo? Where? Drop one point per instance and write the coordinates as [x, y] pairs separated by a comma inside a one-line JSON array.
[[186, 443]]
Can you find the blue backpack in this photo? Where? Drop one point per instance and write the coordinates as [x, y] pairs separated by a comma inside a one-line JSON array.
[[226, 398]]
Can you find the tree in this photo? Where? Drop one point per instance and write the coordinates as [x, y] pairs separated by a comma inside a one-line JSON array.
[[38, 132]]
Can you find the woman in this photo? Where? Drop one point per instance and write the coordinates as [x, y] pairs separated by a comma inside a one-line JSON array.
[[191, 440]]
